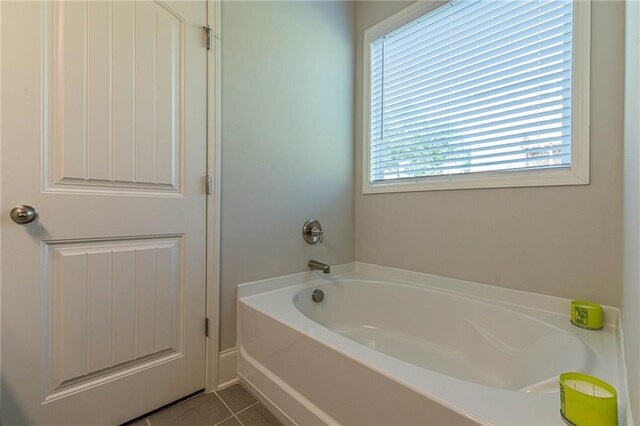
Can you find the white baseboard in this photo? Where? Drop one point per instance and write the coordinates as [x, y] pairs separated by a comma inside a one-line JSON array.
[[227, 368]]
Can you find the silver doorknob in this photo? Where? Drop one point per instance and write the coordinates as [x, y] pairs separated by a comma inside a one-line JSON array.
[[23, 214]]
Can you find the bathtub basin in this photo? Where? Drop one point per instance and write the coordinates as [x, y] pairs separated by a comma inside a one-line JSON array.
[[394, 347]]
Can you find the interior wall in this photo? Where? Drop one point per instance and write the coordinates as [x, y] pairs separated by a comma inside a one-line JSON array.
[[563, 241], [631, 288], [287, 140]]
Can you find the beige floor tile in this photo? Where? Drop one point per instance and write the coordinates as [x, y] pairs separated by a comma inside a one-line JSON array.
[[202, 410], [257, 415], [231, 421], [236, 397]]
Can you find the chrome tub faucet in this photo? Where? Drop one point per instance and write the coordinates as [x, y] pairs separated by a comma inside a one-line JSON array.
[[314, 265]]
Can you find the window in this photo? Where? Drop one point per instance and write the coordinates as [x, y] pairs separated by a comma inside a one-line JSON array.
[[477, 94]]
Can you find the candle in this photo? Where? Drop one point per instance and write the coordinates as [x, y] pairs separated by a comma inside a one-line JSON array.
[[588, 388], [586, 400], [586, 315]]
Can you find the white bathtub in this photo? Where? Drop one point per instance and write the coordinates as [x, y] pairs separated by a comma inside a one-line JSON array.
[[395, 347]]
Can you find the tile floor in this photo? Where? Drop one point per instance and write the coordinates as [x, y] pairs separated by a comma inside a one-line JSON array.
[[230, 406]]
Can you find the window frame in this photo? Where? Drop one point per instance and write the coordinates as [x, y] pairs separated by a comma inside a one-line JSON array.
[[577, 174]]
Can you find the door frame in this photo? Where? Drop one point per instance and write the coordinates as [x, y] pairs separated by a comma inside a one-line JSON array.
[[213, 200], [1, 206]]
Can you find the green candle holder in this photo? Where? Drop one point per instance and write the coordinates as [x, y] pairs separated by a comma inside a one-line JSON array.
[[587, 315], [586, 400]]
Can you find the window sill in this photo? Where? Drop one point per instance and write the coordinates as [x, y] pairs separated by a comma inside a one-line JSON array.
[[479, 181]]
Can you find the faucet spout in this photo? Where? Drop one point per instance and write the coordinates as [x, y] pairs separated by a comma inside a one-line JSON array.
[[314, 265]]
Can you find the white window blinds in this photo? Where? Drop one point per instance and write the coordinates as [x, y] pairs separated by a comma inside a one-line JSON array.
[[475, 86]]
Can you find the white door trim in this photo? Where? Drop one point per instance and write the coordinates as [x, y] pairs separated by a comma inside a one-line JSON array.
[[1, 206], [213, 200]]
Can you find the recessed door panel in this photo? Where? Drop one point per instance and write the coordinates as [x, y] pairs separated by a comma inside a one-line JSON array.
[[109, 304], [115, 96]]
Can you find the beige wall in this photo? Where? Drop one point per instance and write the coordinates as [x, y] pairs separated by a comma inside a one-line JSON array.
[[287, 140], [563, 241], [287, 100], [631, 289]]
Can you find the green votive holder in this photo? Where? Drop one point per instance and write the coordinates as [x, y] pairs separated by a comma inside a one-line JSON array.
[[587, 315], [586, 400]]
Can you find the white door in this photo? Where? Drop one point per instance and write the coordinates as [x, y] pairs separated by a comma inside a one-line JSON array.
[[103, 131]]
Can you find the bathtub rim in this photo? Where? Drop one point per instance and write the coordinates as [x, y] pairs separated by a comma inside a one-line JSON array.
[[487, 292]]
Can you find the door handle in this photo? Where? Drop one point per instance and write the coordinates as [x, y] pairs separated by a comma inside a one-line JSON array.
[[23, 214]]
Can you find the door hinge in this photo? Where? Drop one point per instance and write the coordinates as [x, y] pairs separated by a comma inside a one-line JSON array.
[[207, 33], [207, 326], [209, 184]]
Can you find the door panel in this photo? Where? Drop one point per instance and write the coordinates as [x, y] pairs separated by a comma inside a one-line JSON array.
[[116, 96], [113, 306], [104, 132]]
